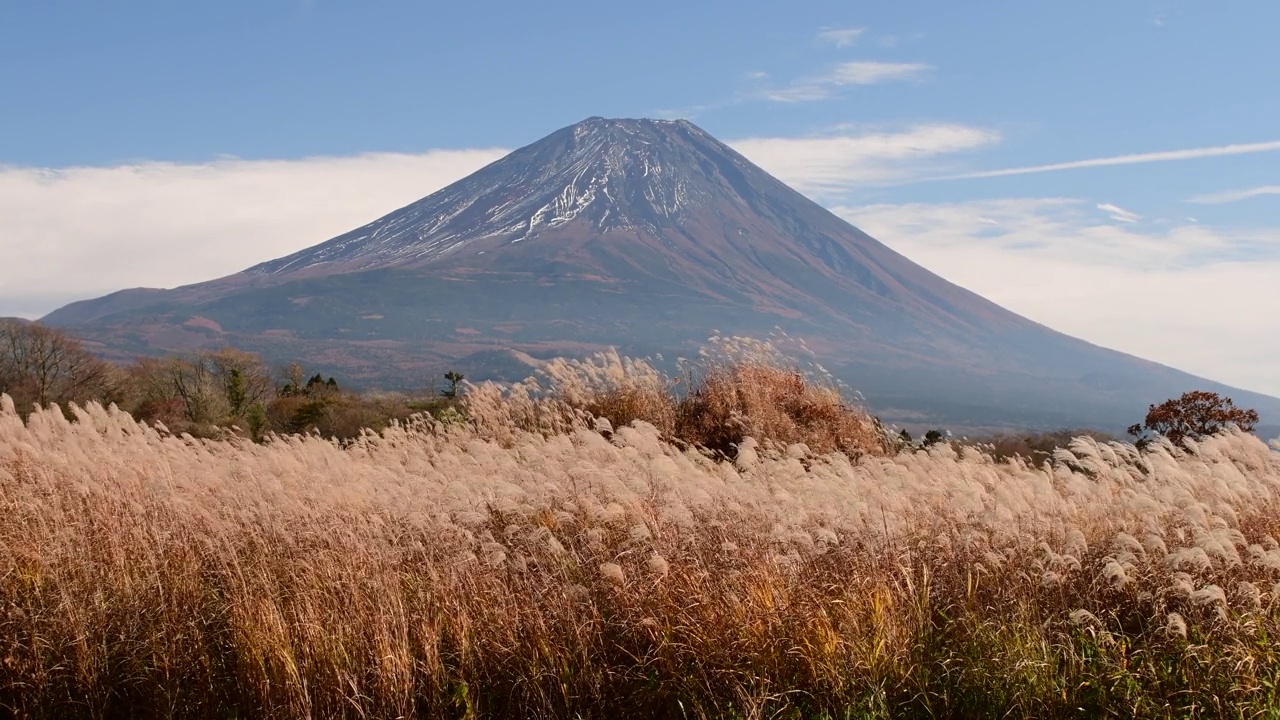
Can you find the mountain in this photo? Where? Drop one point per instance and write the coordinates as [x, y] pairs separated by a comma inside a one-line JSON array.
[[646, 235]]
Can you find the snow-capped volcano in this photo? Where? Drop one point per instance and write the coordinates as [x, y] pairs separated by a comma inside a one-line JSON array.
[[613, 174], [649, 202], [647, 235]]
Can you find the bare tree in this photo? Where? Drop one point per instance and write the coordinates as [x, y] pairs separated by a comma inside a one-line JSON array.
[[196, 386], [212, 387], [244, 378], [151, 391], [41, 365]]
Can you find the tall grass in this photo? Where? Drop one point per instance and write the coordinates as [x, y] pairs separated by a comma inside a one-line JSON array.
[[739, 388], [436, 571]]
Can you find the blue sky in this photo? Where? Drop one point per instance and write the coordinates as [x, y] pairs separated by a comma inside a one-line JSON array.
[[163, 143]]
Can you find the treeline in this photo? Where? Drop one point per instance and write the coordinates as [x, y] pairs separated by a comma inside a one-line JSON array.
[[228, 392], [207, 394]]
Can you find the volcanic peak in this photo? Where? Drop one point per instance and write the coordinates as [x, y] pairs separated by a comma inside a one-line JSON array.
[[643, 235], [618, 174]]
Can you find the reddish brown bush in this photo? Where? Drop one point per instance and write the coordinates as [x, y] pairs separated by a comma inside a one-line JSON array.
[[1195, 415]]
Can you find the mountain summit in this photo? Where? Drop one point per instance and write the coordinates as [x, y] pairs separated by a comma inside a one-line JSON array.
[[615, 175], [647, 235], [646, 201]]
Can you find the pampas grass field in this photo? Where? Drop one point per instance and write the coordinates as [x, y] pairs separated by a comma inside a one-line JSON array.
[[534, 561]]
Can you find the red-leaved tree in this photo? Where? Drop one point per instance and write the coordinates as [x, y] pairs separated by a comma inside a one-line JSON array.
[[1195, 415]]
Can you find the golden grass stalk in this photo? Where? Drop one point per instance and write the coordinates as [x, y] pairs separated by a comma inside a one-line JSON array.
[[431, 573]]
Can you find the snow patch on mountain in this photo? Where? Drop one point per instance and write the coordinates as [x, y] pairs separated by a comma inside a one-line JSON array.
[[616, 174]]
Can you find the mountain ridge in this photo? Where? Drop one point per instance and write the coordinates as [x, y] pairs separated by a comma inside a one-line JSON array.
[[647, 234]]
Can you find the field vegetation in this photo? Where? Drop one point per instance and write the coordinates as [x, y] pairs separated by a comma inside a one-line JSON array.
[[594, 544]]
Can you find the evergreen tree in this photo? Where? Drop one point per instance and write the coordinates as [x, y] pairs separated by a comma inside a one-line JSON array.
[[454, 379]]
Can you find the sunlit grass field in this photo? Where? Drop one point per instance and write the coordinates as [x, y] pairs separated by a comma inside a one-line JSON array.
[[527, 561]]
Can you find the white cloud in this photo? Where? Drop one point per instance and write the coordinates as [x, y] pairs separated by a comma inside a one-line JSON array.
[[798, 92], [81, 232], [1230, 196], [1118, 213], [1190, 296], [870, 73], [1166, 156], [858, 72], [825, 166], [841, 37], [688, 112]]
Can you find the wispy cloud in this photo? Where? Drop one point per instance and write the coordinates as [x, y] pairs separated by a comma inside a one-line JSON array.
[[891, 41], [1118, 213], [688, 112], [870, 73], [1179, 294], [1135, 159], [858, 72], [841, 37], [798, 92], [828, 165], [1230, 196]]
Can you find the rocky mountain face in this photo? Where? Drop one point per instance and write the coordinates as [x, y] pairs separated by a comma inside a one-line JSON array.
[[648, 236]]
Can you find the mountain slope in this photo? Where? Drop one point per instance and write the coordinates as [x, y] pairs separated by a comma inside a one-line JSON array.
[[646, 235]]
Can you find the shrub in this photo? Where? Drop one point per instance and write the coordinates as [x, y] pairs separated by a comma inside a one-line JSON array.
[[1035, 448], [774, 404], [1193, 416], [717, 403]]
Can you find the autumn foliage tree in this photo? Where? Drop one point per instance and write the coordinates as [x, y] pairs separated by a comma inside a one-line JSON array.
[[1195, 415]]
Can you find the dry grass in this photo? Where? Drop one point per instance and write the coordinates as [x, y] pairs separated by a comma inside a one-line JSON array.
[[444, 572], [766, 402], [739, 389], [618, 389]]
